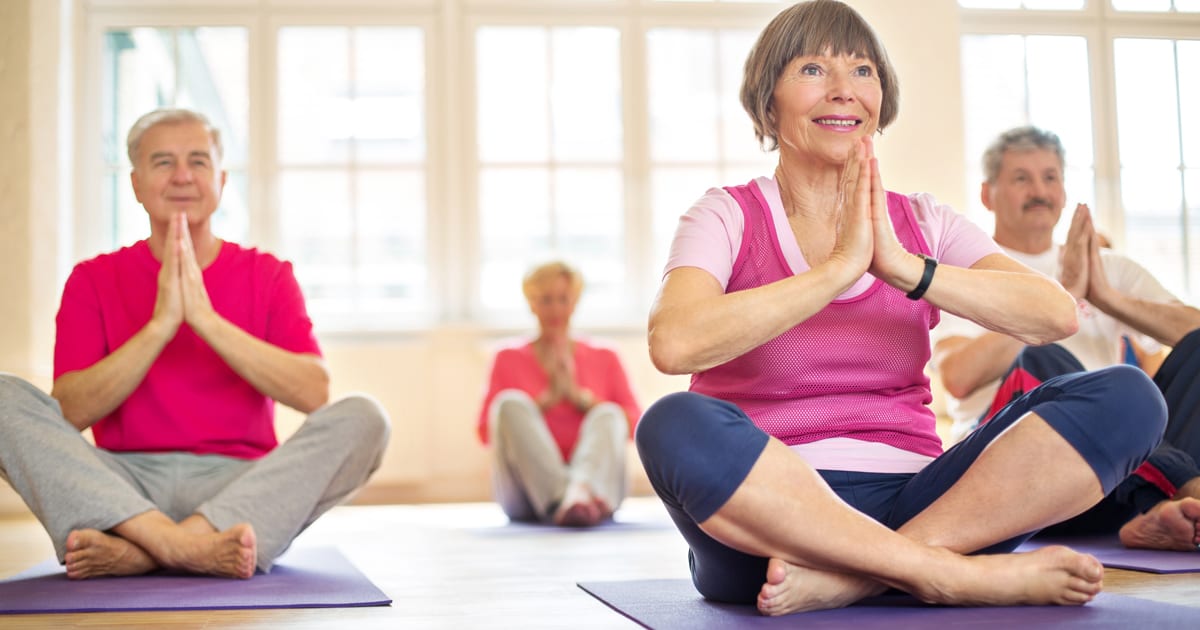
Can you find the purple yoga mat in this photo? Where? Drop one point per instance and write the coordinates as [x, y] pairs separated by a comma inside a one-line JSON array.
[[315, 577], [667, 604], [1109, 550]]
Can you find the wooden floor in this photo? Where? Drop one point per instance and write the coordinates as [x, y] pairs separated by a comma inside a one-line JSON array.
[[462, 566]]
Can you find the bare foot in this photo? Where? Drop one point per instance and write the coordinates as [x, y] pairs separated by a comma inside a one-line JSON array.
[[603, 510], [791, 588], [1173, 525], [1050, 575], [231, 553], [577, 508], [92, 553]]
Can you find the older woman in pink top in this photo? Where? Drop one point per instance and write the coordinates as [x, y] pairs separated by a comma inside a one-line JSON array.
[[558, 413], [802, 466]]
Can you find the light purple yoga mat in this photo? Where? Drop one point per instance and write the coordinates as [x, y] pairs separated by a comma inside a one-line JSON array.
[[315, 577], [1109, 550], [668, 604]]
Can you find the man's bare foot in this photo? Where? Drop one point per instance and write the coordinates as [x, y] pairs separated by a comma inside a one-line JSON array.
[[1050, 575], [92, 553], [231, 553], [791, 588], [1173, 525], [577, 508]]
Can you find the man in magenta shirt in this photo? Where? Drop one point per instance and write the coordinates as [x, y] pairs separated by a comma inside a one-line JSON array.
[[174, 351]]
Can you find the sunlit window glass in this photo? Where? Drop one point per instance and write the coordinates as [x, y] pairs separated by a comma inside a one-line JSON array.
[[550, 141], [1039, 5], [1158, 158], [199, 68], [1156, 6], [700, 136], [1014, 80], [352, 171]]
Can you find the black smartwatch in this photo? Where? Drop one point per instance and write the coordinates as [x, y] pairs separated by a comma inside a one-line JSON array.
[[926, 278]]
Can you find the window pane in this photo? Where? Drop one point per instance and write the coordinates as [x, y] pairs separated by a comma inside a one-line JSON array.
[[684, 99], [551, 148], [388, 111], [1049, 5], [1147, 118], [1060, 92], [515, 224], [1191, 285], [990, 4], [315, 232], [1014, 80], [314, 82], [1142, 5], [1152, 200], [390, 249], [1189, 101], [352, 190], [200, 68], [585, 94], [513, 91]]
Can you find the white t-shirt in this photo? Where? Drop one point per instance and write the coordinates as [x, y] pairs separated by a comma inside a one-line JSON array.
[[1096, 345]]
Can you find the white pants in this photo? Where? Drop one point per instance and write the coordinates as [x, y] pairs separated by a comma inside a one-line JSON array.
[[529, 476]]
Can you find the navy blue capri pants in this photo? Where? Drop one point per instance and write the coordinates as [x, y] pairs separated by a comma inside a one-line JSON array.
[[697, 451]]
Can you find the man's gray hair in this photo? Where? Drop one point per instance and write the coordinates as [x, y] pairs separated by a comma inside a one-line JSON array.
[[1022, 139], [169, 117]]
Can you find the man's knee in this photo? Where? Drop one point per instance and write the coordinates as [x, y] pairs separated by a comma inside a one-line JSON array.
[[362, 417]]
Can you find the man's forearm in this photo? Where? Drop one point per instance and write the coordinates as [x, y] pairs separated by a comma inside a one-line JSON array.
[[92, 393], [297, 380], [966, 364], [1166, 322]]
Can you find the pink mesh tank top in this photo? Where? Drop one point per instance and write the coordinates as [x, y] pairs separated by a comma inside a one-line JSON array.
[[855, 369]]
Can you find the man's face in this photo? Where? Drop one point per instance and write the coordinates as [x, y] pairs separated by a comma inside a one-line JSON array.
[[1028, 194], [177, 169]]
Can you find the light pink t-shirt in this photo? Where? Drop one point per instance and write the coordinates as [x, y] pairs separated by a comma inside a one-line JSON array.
[[190, 400], [709, 237]]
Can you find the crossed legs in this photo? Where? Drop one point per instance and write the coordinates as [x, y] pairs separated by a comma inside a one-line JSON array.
[[96, 505], [815, 551]]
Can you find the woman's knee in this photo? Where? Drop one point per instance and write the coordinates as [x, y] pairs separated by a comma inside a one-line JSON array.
[[1132, 403], [667, 421]]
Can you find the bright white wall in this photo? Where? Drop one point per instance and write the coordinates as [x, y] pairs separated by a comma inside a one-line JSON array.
[[430, 382]]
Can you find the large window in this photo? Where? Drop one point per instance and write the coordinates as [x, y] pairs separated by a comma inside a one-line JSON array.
[[413, 159], [1114, 79]]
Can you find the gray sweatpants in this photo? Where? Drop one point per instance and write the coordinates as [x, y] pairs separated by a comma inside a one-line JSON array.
[[529, 476], [70, 484]]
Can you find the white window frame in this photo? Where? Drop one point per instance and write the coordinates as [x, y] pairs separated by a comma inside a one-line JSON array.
[[1100, 25], [452, 166]]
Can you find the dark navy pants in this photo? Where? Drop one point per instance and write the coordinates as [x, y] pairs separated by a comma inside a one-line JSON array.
[[698, 450], [1171, 465]]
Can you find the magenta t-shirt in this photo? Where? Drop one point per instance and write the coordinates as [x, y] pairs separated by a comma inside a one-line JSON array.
[[190, 400]]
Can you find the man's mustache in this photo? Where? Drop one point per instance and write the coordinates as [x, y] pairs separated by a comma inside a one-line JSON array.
[[1037, 201]]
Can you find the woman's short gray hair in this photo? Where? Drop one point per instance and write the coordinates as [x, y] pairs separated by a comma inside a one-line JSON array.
[[1027, 138], [168, 117], [815, 27]]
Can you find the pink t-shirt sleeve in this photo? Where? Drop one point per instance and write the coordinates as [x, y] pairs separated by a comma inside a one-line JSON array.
[[952, 238], [79, 337], [289, 326], [708, 236]]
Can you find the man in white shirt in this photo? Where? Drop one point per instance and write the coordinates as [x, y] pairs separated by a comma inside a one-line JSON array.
[[1125, 315]]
